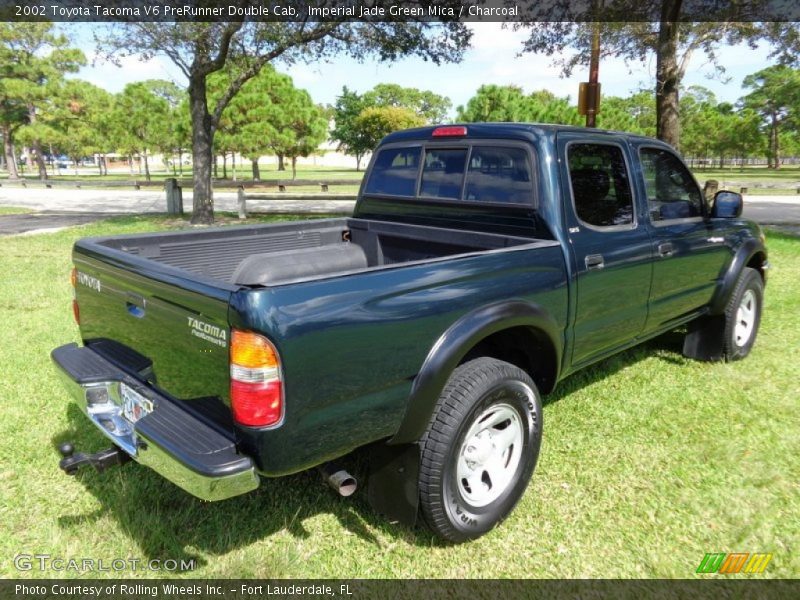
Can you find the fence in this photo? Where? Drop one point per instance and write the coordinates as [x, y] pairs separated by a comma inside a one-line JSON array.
[[279, 184]]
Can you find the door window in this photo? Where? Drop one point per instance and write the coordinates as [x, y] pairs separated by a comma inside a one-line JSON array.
[[671, 190], [601, 187]]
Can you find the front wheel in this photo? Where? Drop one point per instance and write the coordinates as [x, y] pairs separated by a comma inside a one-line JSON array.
[[480, 448], [743, 315]]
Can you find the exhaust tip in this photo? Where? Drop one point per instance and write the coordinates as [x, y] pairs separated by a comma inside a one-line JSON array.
[[340, 480]]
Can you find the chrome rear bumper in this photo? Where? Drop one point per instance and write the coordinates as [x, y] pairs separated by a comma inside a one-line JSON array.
[[169, 440]]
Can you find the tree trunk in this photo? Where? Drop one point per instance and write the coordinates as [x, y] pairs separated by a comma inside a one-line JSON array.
[[8, 152], [256, 170], [281, 166], [202, 144], [358, 162], [36, 146], [146, 166], [668, 75], [225, 165], [294, 168], [130, 163], [233, 164], [774, 150], [216, 167]]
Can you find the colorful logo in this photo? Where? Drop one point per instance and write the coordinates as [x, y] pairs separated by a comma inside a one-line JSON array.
[[736, 562]]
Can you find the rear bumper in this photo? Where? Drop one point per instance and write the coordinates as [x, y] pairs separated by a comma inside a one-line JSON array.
[[169, 440]]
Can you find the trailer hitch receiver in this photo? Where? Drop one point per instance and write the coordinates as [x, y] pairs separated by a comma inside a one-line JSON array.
[[99, 460]]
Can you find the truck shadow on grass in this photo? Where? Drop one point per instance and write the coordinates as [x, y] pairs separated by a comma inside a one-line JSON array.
[[166, 522]]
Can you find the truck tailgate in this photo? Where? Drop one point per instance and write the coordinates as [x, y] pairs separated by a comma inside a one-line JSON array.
[[168, 330]]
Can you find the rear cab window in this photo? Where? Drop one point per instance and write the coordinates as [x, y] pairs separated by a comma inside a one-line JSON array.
[[394, 172], [475, 173]]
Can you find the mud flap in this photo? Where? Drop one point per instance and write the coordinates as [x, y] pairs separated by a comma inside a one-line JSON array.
[[705, 338], [393, 482]]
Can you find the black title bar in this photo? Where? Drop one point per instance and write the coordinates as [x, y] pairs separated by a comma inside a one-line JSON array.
[[394, 10]]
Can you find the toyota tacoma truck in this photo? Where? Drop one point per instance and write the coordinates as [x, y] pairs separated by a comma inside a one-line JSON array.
[[483, 263]]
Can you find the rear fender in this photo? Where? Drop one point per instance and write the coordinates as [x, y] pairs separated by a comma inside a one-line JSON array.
[[451, 348]]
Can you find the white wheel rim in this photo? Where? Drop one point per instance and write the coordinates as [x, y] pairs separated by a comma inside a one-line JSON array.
[[490, 455], [745, 319]]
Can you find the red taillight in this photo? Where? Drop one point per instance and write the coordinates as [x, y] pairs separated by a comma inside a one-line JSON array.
[[257, 404], [450, 131], [256, 385]]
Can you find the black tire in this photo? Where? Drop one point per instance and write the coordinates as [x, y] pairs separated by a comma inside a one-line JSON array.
[[744, 307], [479, 392]]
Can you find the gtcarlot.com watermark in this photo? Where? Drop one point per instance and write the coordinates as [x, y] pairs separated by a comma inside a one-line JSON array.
[[48, 562]]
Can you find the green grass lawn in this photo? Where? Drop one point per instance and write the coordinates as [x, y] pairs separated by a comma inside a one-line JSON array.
[[787, 173], [781, 182], [268, 172], [14, 210], [649, 461]]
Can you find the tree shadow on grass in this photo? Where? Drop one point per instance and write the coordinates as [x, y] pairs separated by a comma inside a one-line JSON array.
[[167, 522]]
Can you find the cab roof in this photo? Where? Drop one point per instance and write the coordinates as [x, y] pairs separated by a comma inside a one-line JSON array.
[[516, 131]]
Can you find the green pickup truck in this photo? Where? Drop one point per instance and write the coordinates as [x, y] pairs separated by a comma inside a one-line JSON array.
[[483, 263]]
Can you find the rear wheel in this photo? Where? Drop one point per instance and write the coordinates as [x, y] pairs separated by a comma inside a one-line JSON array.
[[480, 448]]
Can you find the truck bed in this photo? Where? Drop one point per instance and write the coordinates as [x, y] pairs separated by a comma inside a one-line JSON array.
[[327, 293], [261, 255]]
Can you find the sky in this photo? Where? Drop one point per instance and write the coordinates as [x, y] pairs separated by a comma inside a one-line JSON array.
[[493, 59]]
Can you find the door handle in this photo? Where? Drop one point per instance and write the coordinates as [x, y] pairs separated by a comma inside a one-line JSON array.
[[665, 249], [594, 261]]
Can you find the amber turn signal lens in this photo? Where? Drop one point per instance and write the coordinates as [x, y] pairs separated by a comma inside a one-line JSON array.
[[73, 276], [252, 350]]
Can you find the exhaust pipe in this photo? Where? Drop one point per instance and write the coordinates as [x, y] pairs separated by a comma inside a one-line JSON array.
[[339, 479]]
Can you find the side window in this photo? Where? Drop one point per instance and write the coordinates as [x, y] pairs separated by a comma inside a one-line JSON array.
[[395, 172], [443, 173], [671, 190], [498, 175], [600, 184]]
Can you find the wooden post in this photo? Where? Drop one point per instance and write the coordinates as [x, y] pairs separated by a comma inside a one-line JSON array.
[[324, 187], [174, 197], [710, 189], [743, 191], [242, 202]]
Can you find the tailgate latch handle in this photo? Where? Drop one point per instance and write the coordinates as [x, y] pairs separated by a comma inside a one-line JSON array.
[[135, 305]]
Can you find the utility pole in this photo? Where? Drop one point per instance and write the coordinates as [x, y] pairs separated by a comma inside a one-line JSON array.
[[589, 92]]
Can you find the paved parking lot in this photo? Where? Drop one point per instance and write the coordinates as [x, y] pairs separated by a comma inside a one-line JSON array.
[[56, 208]]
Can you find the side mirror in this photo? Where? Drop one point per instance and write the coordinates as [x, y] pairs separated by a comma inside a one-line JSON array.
[[727, 205]]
